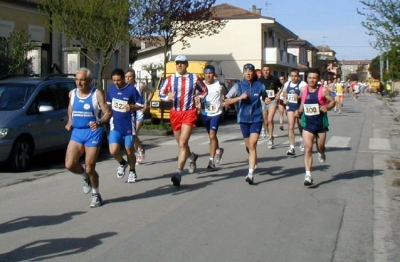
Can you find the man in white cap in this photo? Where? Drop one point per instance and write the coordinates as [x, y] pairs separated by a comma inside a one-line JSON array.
[[181, 88]]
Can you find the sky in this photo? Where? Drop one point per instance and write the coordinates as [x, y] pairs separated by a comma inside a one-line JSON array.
[[335, 23]]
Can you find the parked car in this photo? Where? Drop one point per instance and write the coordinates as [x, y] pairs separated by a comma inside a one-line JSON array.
[[33, 115]]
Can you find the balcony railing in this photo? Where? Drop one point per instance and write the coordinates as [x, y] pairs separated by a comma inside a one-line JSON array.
[[275, 56]]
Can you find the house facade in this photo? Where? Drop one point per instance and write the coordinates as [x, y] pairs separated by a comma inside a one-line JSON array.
[[359, 67], [247, 37], [52, 49], [306, 55]]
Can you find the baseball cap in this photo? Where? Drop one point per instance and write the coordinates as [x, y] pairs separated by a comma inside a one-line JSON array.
[[181, 58], [209, 69], [249, 67]]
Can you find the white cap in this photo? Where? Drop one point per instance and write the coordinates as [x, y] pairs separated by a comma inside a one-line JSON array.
[[181, 58]]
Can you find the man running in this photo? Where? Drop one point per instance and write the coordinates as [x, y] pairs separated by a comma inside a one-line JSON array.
[[315, 103], [281, 104], [272, 85], [211, 110], [292, 91], [247, 94], [181, 88], [84, 106], [123, 99]]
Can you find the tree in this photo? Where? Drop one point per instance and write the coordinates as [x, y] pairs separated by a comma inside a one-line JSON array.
[[101, 26], [13, 57], [175, 21], [382, 20], [149, 67], [374, 68]]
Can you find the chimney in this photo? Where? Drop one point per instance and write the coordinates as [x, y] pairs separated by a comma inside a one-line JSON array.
[[256, 10]]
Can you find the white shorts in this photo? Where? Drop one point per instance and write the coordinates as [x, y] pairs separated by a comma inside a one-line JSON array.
[[139, 116]]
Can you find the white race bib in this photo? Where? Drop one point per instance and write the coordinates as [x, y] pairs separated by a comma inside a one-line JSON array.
[[292, 98], [270, 93], [311, 109], [119, 105], [211, 108], [339, 93]]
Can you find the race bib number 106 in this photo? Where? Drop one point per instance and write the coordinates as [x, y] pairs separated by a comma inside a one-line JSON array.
[[311, 109]]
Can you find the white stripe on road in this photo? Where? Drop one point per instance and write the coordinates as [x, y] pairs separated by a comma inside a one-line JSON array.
[[379, 144], [338, 141]]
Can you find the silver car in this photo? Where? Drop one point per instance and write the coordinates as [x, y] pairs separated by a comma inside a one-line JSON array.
[[33, 114]]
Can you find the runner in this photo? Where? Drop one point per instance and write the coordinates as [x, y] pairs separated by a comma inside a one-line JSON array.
[[272, 86], [181, 88], [292, 93], [211, 110], [339, 89], [123, 99], [247, 94], [281, 105], [315, 102], [84, 105], [356, 90]]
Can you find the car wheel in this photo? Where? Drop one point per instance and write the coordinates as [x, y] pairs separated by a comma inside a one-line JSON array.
[[21, 155]]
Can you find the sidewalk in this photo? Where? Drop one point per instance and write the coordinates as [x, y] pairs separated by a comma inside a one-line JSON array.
[[394, 106]]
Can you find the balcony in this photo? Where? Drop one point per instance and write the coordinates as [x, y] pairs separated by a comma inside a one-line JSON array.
[[274, 56]]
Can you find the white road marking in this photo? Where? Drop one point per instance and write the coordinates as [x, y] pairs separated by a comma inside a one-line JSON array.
[[379, 144], [338, 141]]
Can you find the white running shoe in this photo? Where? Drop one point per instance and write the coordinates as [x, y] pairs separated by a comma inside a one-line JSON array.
[[86, 185], [308, 180], [218, 156], [96, 200], [132, 178], [121, 170], [290, 152], [192, 163], [321, 157], [301, 146], [250, 179], [271, 143]]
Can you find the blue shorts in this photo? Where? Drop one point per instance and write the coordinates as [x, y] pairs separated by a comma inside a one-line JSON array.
[[211, 122], [249, 128], [115, 137], [333, 94], [87, 136]]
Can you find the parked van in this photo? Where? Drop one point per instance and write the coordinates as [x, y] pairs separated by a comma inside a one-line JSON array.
[[159, 110]]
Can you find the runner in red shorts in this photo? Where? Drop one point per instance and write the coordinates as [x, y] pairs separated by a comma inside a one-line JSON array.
[[181, 88]]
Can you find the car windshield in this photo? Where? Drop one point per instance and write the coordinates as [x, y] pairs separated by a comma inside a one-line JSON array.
[[13, 96]]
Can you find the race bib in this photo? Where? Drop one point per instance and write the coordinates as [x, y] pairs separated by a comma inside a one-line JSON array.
[[292, 98], [339, 93], [311, 109], [211, 108], [270, 93], [119, 105]]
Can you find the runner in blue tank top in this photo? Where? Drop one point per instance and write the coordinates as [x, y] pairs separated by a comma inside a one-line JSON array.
[[83, 112], [316, 101], [123, 99]]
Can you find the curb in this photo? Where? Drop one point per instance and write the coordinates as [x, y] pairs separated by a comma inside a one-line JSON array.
[[394, 111]]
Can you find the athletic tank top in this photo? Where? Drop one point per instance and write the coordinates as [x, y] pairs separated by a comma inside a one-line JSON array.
[[84, 109]]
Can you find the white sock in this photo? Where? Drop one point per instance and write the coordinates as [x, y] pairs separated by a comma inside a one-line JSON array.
[[95, 190], [251, 171], [291, 146], [211, 158], [308, 173]]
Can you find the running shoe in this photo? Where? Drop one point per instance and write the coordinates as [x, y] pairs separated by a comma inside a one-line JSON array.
[[340, 111], [301, 146], [121, 170], [176, 179], [86, 185], [321, 157], [290, 152], [218, 156], [250, 179], [271, 143], [211, 164], [140, 156], [96, 200], [132, 178], [192, 163], [308, 181]]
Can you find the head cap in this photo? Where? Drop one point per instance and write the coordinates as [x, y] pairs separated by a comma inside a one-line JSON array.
[[249, 67], [209, 69], [181, 58]]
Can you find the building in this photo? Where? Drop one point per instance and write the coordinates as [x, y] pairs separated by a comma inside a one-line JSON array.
[[248, 37], [52, 49], [306, 55], [355, 67]]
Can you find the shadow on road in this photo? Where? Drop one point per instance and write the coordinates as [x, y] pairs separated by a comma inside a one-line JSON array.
[[353, 174]]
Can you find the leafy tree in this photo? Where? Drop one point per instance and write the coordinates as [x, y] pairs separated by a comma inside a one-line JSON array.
[[13, 55], [374, 68], [393, 58], [175, 21], [149, 67], [382, 20], [99, 25]]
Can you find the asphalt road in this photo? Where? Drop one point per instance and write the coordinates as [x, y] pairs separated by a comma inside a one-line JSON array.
[[351, 214]]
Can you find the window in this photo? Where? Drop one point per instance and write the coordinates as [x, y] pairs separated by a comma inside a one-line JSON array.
[[62, 93]]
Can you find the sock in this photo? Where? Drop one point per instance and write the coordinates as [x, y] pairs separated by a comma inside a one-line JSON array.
[[211, 158], [95, 191], [308, 173], [123, 162], [84, 175], [179, 171], [291, 146], [251, 171]]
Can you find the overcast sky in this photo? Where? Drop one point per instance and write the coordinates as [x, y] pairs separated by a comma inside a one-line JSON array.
[[321, 22]]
